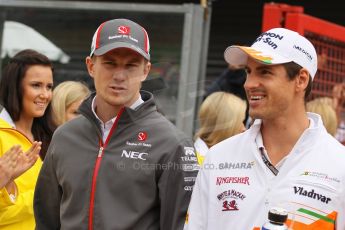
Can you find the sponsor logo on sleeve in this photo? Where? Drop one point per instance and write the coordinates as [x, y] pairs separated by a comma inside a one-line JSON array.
[[190, 167], [189, 151], [229, 199], [189, 155], [189, 179], [188, 188]]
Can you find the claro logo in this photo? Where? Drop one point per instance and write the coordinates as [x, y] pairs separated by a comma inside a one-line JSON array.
[[134, 155]]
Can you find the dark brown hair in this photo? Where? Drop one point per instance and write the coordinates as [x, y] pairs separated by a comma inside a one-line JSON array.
[[11, 94], [292, 70]]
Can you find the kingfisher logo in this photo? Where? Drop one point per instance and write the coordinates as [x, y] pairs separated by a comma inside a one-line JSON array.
[[232, 180], [125, 30], [311, 194], [134, 155]]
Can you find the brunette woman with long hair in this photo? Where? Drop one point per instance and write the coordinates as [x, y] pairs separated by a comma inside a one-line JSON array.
[[25, 94]]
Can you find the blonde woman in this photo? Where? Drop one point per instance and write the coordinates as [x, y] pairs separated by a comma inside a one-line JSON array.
[[323, 107], [221, 115], [67, 97]]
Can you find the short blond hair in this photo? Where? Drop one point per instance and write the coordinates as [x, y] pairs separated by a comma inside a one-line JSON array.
[[323, 107], [221, 115], [64, 95]]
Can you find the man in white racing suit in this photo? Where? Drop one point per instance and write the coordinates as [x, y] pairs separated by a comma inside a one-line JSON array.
[[286, 159]]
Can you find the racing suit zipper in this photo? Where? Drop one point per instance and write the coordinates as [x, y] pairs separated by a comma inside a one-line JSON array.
[[93, 188], [97, 166]]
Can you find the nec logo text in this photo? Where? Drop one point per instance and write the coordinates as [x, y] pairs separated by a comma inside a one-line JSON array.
[[134, 155]]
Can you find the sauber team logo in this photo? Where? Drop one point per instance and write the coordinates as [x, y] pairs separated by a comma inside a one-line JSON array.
[[142, 136], [124, 30], [229, 199]]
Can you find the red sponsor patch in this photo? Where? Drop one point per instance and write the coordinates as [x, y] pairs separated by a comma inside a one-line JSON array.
[[230, 205], [142, 136], [124, 30]]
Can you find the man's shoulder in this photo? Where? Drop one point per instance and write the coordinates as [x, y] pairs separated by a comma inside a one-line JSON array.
[[77, 124], [157, 126], [158, 121], [237, 141], [232, 148], [331, 144]]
